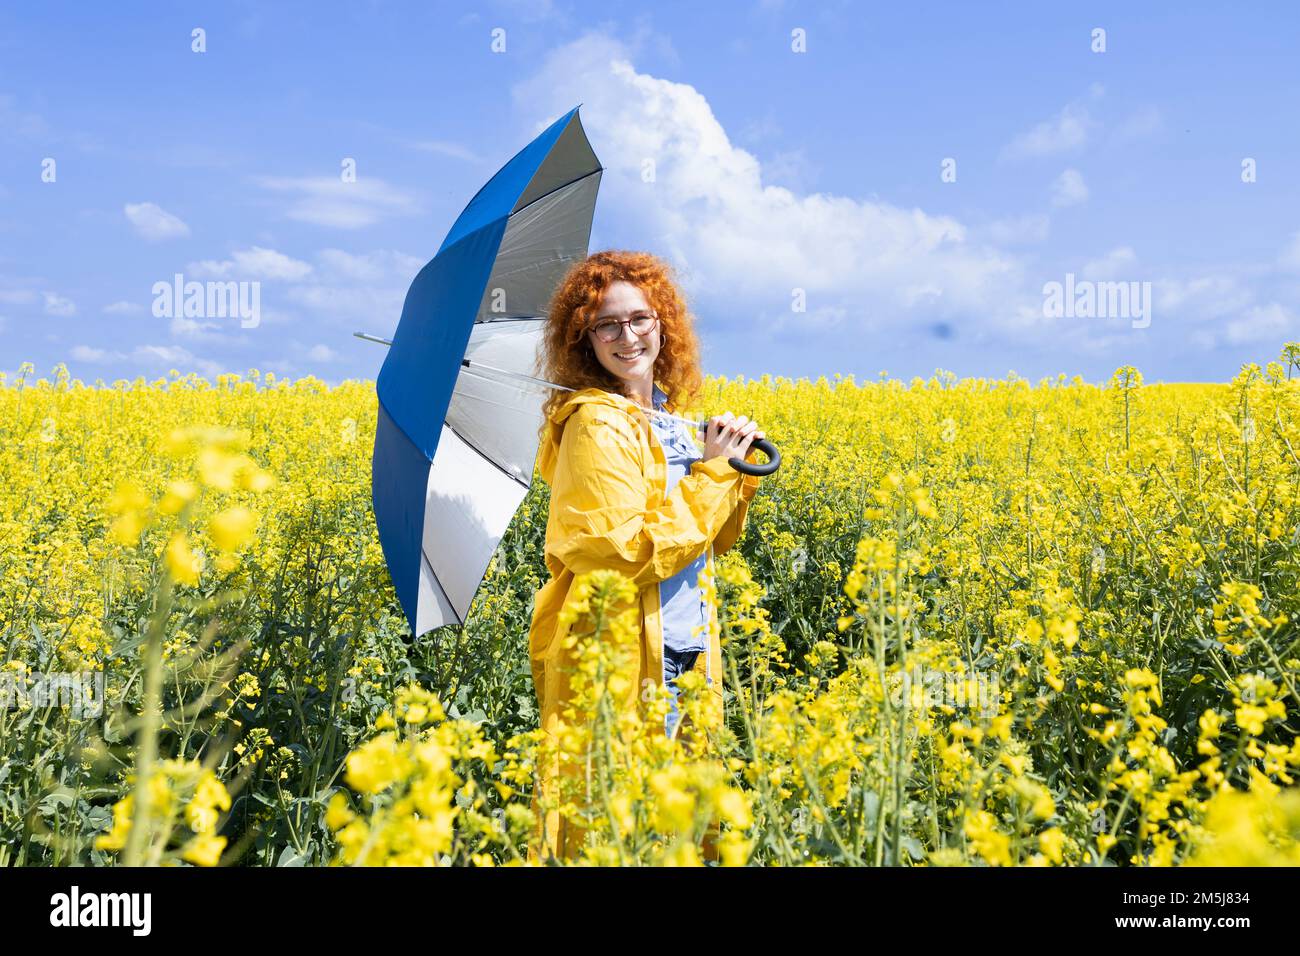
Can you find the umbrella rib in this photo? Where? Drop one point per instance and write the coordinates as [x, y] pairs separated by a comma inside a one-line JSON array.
[[598, 169], [441, 590], [470, 365], [496, 465], [515, 212], [487, 401], [533, 266]]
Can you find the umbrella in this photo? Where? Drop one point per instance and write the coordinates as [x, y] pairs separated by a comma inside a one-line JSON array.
[[453, 453], [458, 422]]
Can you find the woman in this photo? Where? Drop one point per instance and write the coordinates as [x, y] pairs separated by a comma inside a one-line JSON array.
[[631, 491]]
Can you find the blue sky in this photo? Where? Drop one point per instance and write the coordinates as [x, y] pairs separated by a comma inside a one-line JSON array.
[[800, 194]]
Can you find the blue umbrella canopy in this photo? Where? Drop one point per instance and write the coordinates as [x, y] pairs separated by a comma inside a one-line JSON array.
[[456, 442]]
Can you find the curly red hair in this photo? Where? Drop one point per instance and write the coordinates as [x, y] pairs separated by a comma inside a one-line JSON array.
[[563, 359]]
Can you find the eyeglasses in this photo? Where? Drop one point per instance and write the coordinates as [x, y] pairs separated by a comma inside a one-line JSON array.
[[611, 330]]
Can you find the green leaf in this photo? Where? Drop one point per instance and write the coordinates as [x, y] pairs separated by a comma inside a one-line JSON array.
[[291, 857], [912, 847], [60, 798]]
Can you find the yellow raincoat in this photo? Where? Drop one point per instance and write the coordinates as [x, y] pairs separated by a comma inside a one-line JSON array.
[[608, 511]]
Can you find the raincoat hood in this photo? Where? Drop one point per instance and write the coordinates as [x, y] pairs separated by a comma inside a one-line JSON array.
[[549, 448]]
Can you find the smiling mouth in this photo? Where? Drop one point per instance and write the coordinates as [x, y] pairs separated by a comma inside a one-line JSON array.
[[630, 358]]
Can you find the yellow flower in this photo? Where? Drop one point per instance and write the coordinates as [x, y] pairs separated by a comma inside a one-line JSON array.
[[981, 829], [127, 497], [231, 529], [733, 807], [179, 494], [204, 850], [217, 469], [733, 850], [129, 504], [1052, 843], [338, 814], [115, 839], [209, 796], [255, 479], [1255, 828], [126, 528], [184, 565], [1250, 718], [1045, 492], [376, 765]]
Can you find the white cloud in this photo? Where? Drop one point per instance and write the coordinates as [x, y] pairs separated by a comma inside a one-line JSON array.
[[176, 357], [329, 201], [1226, 308], [189, 328], [1067, 130], [1146, 122], [791, 167], [352, 290], [1032, 227], [710, 211], [252, 263], [368, 267], [1270, 324], [154, 223], [530, 10], [365, 291], [1115, 265], [1069, 189], [57, 305], [1290, 257], [165, 353], [86, 353], [123, 308], [321, 353], [17, 124], [793, 326], [444, 148], [1203, 297]]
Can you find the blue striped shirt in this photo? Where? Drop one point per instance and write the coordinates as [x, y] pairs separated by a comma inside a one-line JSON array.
[[681, 598]]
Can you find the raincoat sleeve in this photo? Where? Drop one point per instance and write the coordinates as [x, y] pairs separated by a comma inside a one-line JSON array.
[[734, 524], [599, 495]]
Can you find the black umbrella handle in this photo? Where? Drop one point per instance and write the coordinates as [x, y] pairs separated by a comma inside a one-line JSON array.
[[767, 448]]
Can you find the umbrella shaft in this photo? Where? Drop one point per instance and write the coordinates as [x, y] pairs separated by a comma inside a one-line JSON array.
[[501, 371], [528, 378]]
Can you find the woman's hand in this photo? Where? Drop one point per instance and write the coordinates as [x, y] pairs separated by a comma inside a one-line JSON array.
[[728, 436]]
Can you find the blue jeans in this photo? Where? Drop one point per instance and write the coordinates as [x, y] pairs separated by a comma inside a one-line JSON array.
[[676, 663]]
